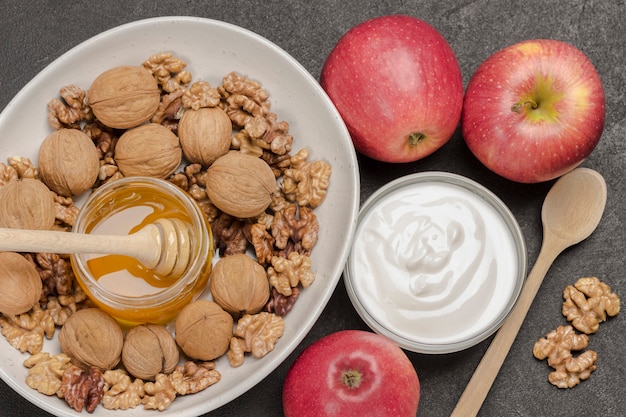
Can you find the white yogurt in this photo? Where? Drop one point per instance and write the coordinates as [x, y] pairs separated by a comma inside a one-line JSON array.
[[437, 262]]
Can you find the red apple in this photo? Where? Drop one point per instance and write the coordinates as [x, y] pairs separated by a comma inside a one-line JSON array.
[[397, 85], [534, 110], [351, 373]]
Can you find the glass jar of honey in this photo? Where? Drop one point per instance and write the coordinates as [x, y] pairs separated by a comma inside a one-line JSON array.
[[121, 285]]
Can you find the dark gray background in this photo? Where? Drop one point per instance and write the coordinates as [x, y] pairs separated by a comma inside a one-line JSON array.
[[33, 33]]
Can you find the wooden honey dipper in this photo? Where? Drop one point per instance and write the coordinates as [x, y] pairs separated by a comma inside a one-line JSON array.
[[163, 246]]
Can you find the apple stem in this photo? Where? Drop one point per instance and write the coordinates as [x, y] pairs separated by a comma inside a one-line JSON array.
[[415, 138], [517, 107], [351, 378]]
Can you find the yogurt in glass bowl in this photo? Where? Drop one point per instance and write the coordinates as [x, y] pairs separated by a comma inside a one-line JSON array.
[[437, 262]]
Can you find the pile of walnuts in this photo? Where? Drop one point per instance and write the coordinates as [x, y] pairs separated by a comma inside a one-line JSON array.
[[225, 147], [586, 304], [114, 388]]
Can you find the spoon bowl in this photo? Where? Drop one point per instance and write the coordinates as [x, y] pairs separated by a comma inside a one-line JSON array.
[[574, 206], [571, 211]]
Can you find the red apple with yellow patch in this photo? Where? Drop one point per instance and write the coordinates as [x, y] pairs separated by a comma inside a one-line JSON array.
[[533, 111]]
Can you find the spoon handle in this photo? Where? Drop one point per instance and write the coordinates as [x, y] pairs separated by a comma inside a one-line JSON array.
[[20, 240], [479, 385]]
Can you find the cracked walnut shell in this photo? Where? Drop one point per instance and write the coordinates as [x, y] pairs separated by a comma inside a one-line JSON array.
[[27, 204], [151, 150], [239, 285], [241, 185], [68, 162], [149, 349], [91, 337], [124, 97], [204, 330], [20, 283]]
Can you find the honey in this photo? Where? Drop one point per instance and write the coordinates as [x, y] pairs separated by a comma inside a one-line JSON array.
[[122, 274], [121, 285]]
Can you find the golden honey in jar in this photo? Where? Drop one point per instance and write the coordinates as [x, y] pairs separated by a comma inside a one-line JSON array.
[[121, 285]]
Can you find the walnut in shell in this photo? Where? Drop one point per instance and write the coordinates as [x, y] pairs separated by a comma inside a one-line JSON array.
[[26, 204], [68, 162], [91, 337], [205, 134], [20, 283], [239, 285], [124, 97], [241, 185], [149, 349], [204, 330], [151, 150]]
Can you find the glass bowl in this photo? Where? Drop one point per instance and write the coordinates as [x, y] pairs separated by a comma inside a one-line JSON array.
[[437, 262]]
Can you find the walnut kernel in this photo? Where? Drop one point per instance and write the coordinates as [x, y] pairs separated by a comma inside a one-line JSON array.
[[190, 377], [286, 273], [257, 334], [82, 389], [25, 332], [159, 394], [557, 348], [122, 393], [589, 302], [45, 372]]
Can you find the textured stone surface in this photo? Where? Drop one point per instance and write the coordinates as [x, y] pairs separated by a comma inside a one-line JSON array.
[[34, 33]]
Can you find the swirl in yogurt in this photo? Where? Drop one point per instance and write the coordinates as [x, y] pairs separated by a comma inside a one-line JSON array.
[[436, 261]]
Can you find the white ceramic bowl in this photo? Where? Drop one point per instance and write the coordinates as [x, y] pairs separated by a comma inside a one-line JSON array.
[[211, 49]]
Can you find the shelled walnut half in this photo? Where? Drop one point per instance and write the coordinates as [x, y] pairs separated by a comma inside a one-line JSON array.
[[557, 348], [588, 303], [257, 334]]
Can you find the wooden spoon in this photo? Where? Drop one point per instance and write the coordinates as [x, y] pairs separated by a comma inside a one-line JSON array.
[[571, 212], [162, 246]]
